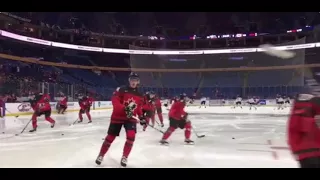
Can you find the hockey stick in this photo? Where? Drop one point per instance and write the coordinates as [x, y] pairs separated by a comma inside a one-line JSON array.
[[24, 127], [11, 113], [195, 132], [138, 120], [74, 122]]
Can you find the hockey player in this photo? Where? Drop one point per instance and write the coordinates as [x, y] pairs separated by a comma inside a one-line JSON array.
[[148, 109], [256, 100], [287, 101], [85, 106], [192, 98], [63, 105], [178, 119], [2, 107], [90, 101], [238, 102], [159, 110], [279, 102], [203, 101], [2, 110], [304, 127], [41, 106], [166, 103], [252, 103], [127, 102], [223, 102]]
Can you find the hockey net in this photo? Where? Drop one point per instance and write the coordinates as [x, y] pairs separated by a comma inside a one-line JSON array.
[[221, 76]]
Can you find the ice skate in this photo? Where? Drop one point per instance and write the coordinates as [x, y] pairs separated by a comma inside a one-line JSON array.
[[52, 125], [99, 160], [164, 142], [89, 122], [189, 142], [33, 130], [123, 161]]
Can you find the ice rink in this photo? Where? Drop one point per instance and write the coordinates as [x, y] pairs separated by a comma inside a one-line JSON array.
[[231, 140]]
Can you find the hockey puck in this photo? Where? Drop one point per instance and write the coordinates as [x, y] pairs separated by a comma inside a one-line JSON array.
[[16, 134], [62, 134], [233, 138], [2, 132]]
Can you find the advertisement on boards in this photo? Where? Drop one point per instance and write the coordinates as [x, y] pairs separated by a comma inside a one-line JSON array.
[[262, 102], [102, 104], [24, 107]]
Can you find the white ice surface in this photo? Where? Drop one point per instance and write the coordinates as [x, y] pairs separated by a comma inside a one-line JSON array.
[[259, 141]]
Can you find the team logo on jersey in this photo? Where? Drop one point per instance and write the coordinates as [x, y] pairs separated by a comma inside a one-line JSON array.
[[131, 103]]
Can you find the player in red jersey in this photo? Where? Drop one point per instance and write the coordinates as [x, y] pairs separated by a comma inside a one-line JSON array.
[[148, 108], [158, 107], [2, 111], [41, 105], [304, 127], [63, 105], [127, 102], [2, 107], [174, 99], [85, 105], [178, 118], [90, 100]]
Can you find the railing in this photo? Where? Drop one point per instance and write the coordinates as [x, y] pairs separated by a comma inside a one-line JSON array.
[[230, 92], [158, 52], [24, 89]]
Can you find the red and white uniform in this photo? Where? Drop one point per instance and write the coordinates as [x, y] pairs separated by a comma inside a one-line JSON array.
[[64, 101], [148, 109], [85, 105], [2, 108], [178, 119], [90, 101], [122, 97], [177, 111], [158, 106], [41, 106], [304, 127]]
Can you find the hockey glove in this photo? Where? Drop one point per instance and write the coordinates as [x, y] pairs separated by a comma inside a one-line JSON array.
[[143, 121], [185, 117]]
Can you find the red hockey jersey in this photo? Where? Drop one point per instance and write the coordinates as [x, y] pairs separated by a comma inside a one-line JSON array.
[[84, 103], [157, 102], [90, 100], [64, 101], [149, 103], [121, 98], [43, 104], [2, 108], [303, 127], [177, 110]]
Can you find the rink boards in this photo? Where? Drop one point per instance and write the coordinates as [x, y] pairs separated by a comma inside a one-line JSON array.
[[231, 102], [14, 109]]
